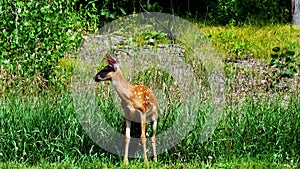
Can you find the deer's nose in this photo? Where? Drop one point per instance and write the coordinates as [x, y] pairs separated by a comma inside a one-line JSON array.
[[97, 78]]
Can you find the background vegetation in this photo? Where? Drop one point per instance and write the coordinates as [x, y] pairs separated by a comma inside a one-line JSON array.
[[38, 125], [35, 35]]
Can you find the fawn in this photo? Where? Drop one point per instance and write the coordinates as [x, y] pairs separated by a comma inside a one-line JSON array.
[[137, 101]]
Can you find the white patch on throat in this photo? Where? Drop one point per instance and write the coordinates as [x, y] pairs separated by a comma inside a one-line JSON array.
[[113, 82]]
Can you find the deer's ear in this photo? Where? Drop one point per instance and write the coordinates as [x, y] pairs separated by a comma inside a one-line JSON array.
[[112, 61]]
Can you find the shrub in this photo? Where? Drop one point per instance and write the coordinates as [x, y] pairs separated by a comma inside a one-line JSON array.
[[234, 11], [286, 62], [34, 36]]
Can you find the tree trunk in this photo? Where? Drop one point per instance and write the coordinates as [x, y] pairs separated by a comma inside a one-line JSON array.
[[296, 11]]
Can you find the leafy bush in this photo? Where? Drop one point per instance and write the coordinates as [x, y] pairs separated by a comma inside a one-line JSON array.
[[286, 63], [34, 36]]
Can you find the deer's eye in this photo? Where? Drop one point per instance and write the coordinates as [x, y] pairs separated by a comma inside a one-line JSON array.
[[103, 73], [106, 70]]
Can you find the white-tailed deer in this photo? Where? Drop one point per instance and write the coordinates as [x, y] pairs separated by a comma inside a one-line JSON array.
[[137, 101]]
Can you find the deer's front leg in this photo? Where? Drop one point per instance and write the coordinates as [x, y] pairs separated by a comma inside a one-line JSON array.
[[127, 140]]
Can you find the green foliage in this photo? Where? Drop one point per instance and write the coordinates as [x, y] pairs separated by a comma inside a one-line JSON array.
[[251, 40], [232, 12], [285, 62], [34, 36], [239, 49], [236, 11], [96, 13]]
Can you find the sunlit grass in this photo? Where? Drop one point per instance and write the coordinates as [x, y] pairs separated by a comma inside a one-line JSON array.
[[252, 41]]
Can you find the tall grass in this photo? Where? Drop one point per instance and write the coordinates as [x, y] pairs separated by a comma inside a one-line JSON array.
[[42, 128], [45, 128]]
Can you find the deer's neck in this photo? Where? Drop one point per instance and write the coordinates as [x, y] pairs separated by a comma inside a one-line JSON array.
[[121, 86]]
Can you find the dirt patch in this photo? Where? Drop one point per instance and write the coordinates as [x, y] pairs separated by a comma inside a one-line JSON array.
[[255, 78]]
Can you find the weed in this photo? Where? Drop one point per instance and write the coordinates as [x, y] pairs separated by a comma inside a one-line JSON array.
[[285, 62]]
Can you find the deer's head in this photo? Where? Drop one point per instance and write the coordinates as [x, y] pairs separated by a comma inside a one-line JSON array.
[[108, 71]]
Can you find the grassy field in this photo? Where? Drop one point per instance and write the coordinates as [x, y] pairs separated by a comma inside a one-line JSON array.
[[241, 163], [40, 129], [44, 131], [252, 42]]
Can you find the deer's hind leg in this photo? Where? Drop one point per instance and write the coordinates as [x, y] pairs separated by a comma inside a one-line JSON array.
[[153, 138]]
